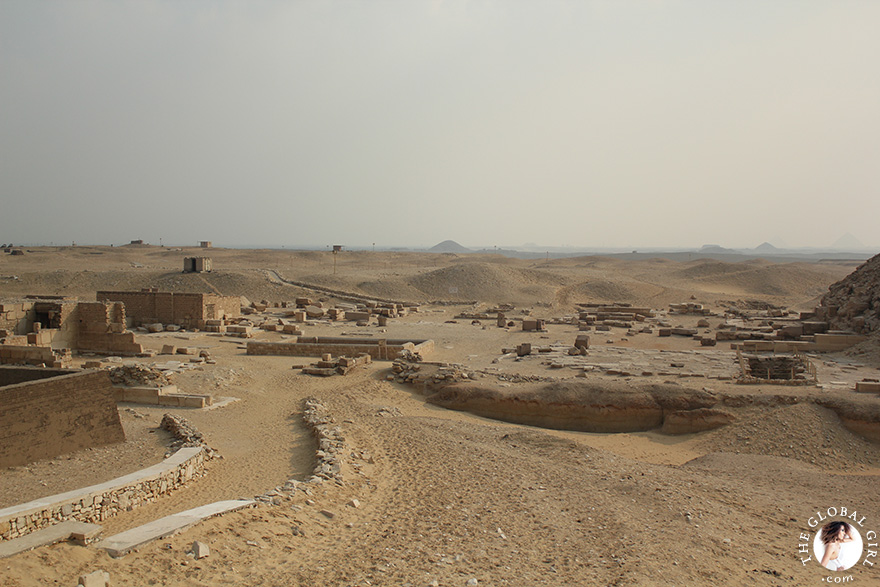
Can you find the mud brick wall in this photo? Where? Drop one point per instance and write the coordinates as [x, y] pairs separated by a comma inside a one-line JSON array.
[[143, 307], [189, 309], [26, 355], [45, 418], [224, 306], [186, 309]]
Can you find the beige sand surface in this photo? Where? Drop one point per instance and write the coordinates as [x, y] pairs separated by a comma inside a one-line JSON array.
[[446, 496]]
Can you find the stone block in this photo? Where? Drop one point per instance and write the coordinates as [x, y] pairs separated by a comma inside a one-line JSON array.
[[868, 386], [200, 550], [314, 312], [168, 349], [95, 579], [141, 395]]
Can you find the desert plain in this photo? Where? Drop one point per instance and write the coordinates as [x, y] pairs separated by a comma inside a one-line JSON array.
[[456, 482]]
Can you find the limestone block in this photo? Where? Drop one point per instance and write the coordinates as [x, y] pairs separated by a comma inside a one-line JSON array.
[[200, 550], [168, 349], [314, 312], [95, 579], [155, 327]]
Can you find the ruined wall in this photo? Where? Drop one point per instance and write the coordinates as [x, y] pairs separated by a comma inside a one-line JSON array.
[[14, 316], [48, 417], [186, 309], [29, 355], [380, 350], [101, 328], [143, 307], [225, 306]]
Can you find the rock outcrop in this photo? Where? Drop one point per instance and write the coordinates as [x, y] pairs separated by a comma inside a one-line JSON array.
[[853, 303]]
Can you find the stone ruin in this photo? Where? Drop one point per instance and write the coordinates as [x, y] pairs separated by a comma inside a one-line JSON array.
[[197, 265], [43, 330], [776, 368]]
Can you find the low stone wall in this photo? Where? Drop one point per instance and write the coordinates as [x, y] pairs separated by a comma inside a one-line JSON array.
[[28, 355], [379, 349], [98, 502]]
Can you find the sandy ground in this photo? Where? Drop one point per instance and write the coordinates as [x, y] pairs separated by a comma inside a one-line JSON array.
[[445, 497]]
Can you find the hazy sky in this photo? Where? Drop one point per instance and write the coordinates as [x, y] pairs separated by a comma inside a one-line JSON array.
[[589, 124]]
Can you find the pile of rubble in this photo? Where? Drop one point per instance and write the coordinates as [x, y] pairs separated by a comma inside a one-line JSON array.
[[185, 434], [137, 375], [429, 373], [331, 442]]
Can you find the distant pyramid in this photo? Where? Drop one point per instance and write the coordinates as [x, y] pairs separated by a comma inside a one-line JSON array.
[[848, 241], [766, 247], [448, 247]]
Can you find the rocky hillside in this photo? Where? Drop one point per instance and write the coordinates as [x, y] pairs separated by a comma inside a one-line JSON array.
[[857, 299]]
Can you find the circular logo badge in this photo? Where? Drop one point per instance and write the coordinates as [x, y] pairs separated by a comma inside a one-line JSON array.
[[837, 546]]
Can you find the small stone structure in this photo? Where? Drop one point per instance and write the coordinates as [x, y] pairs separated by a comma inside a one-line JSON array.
[[197, 265], [785, 369], [49, 412], [205, 244], [328, 366]]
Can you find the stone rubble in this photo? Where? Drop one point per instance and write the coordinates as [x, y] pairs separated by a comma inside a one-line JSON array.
[[185, 434]]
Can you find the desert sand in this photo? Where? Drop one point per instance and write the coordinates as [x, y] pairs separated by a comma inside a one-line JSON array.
[[435, 496]]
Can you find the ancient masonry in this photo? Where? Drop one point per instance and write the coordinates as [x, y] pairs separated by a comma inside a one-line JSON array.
[[99, 502], [41, 330], [312, 346], [197, 265], [49, 412], [190, 310]]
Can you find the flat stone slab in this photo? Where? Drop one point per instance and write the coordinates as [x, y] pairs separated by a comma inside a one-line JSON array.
[[124, 542], [61, 532]]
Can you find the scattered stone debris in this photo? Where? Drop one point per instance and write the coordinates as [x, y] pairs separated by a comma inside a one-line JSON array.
[[137, 375], [331, 442], [329, 366], [186, 434], [429, 372], [387, 412]]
